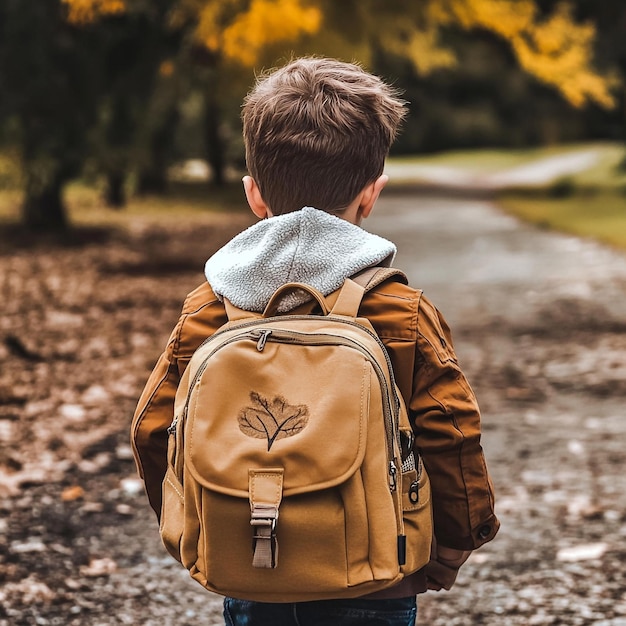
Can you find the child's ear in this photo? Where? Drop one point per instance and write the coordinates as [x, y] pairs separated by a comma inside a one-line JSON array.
[[254, 198], [370, 195]]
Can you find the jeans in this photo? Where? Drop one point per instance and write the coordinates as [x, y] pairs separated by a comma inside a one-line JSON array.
[[349, 612]]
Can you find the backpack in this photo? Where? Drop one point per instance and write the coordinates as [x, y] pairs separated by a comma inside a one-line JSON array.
[[289, 432]]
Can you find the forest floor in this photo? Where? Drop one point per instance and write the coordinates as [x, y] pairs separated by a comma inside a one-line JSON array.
[[539, 321]]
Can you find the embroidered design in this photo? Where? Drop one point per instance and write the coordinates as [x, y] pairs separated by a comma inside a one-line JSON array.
[[272, 419]]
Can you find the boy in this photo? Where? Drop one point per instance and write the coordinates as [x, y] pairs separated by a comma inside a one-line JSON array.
[[317, 133]]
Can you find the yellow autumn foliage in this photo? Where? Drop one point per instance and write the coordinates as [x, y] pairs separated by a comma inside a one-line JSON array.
[[86, 11], [240, 35], [557, 50], [420, 45], [268, 22]]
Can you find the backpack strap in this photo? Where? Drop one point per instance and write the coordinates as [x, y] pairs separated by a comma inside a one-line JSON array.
[[235, 314], [350, 295], [349, 299], [371, 277], [347, 304], [272, 305]]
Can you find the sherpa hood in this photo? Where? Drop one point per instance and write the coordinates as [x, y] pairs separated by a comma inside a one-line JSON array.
[[307, 246]]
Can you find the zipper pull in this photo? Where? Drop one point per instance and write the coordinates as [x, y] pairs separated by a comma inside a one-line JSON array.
[[393, 472], [171, 429], [264, 334]]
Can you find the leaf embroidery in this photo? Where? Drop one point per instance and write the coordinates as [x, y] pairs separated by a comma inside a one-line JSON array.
[[272, 419]]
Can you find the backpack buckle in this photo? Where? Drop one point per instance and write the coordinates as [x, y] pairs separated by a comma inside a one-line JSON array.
[[264, 515], [265, 546], [266, 490]]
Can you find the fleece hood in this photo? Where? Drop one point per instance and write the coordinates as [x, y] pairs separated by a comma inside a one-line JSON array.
[[307, 246]]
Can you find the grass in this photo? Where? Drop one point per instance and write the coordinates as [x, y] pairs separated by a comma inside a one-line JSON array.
[[496, 160], [601, 217], [591, 203], [192, 202]]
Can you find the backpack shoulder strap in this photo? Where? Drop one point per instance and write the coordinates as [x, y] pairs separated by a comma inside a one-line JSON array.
[[373, 276], [347, 301], [354, 288], [236, 314]]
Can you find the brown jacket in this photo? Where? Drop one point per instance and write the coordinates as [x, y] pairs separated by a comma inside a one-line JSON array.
[[442, 408]]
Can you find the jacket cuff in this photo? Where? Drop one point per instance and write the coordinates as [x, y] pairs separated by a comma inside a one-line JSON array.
[[481, 533]]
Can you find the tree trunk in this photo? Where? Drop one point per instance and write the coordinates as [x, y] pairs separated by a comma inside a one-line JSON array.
[[152, 179], [114, 194], [214, 141], [43, 209]]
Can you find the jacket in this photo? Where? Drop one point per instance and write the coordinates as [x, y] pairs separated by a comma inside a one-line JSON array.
[[442, 406]]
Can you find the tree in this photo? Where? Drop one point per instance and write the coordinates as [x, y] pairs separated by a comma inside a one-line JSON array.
[[96, 80], [48, 96], [135, 47], [553, 47], [226, 38], [219, 37], [610, 19]]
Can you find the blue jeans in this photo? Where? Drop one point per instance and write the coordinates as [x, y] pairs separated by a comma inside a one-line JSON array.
[[349, 612]]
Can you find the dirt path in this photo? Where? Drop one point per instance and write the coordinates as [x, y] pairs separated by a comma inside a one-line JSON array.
[[541, 171], [540, 326], [539, 322]]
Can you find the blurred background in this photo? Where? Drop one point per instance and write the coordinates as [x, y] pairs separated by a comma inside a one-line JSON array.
[[106, 102]]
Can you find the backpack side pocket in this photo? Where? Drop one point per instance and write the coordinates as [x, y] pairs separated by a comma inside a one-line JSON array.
[[417, 514], [172, 508]]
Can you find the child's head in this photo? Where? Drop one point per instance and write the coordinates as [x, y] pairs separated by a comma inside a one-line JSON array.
[[317, 131]]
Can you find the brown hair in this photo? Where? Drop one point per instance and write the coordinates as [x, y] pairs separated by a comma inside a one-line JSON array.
[[317, 131]]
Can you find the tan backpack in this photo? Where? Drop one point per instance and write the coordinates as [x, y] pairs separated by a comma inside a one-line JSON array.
[[289, 431]]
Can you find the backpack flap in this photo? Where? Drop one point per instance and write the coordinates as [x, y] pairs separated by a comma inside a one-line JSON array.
[[299, 407]]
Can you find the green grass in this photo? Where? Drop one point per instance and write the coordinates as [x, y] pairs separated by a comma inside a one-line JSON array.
[[191, 202], [591, 203], [608, 174], [601, 217], [496, 160]]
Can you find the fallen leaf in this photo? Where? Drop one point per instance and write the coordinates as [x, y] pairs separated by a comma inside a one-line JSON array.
[[72, 493], [99, 567], [29, 591]]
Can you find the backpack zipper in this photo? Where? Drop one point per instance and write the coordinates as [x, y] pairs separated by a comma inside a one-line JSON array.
[[295, 337], [262, 336], [171, 429], [276, 318]]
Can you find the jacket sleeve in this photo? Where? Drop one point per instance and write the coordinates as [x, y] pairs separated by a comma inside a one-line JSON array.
[[446, 419], [202, 314], [153, 415]]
